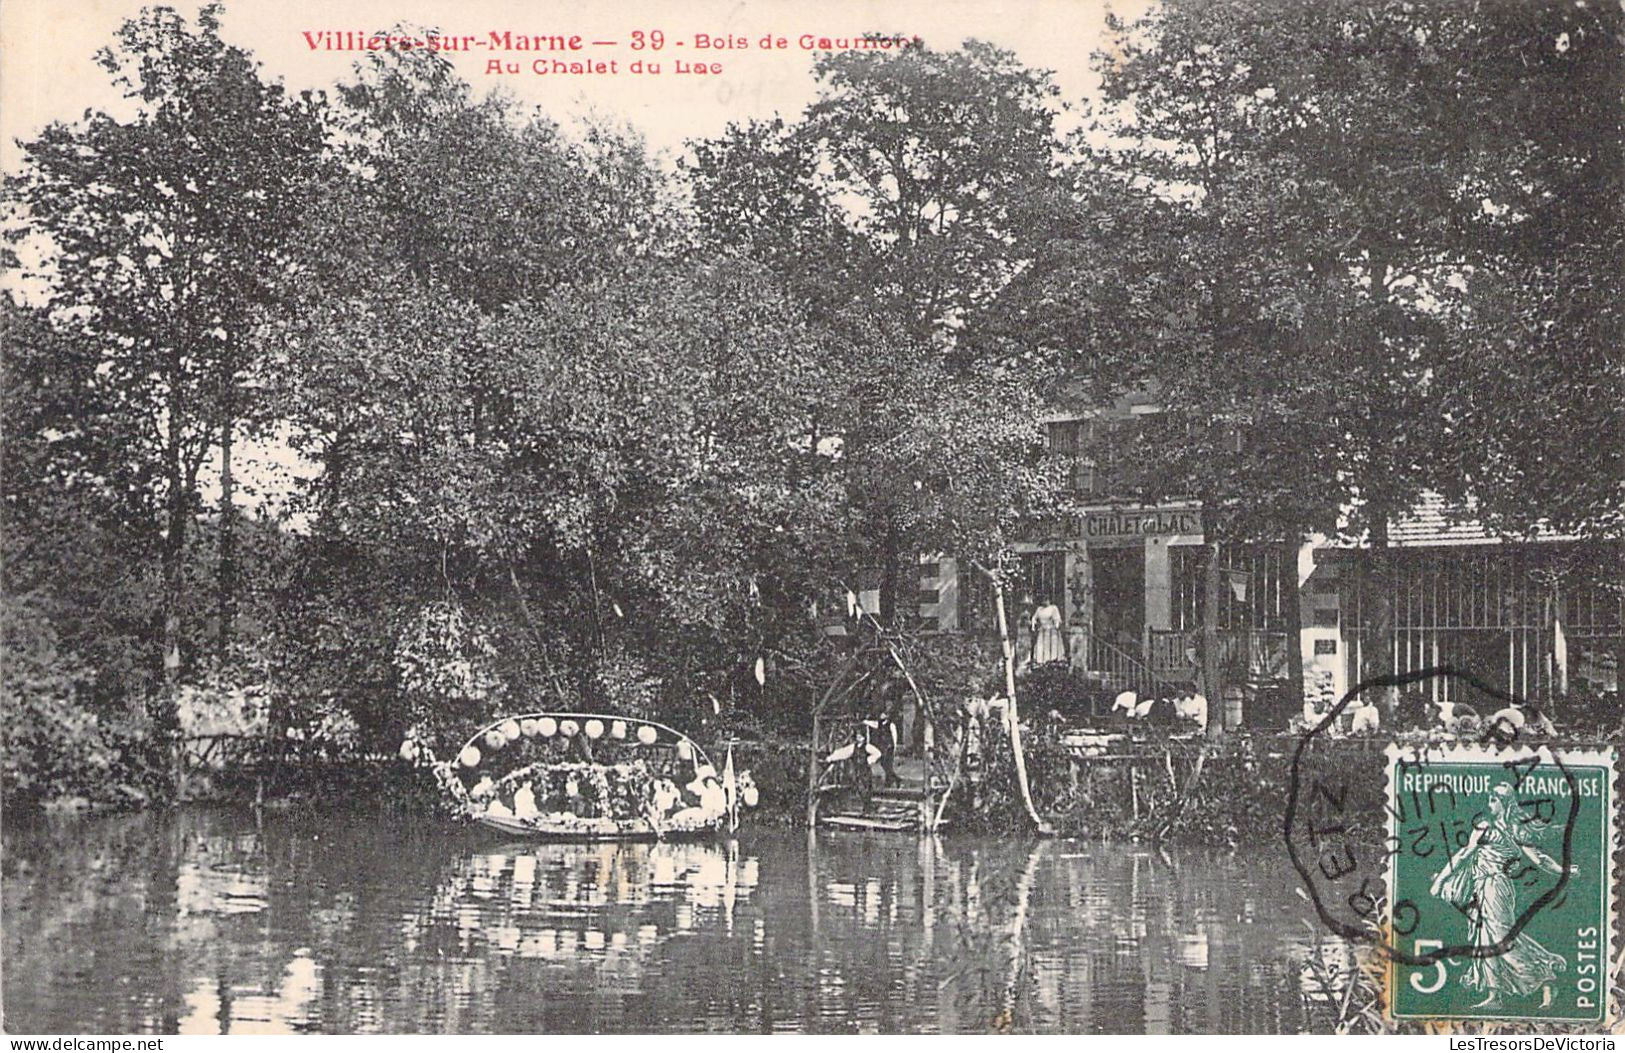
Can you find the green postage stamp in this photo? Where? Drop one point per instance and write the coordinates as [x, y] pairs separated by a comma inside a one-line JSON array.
[[1500, 883]]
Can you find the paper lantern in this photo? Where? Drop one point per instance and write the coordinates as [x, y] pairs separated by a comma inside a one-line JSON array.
[[409, 750], [510, 730], [470, 757], [617, 730], [528, 727], [647, 735], [595, 729], [684, 750], [494, 739], [568, 728], [546, 726], [751, 795]]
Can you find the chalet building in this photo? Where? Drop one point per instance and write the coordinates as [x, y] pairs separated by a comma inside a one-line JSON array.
[[1536, 618], [1539, 619]]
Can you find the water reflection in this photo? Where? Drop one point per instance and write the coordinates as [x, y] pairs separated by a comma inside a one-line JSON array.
[[206, 922]]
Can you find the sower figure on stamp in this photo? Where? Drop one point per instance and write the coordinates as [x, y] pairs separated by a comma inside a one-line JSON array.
[[1477, 879]]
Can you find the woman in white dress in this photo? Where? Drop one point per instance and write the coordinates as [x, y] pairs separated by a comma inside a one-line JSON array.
[[1049, 644]]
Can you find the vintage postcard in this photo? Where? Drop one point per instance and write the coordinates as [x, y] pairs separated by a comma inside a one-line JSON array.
[[862, 517]]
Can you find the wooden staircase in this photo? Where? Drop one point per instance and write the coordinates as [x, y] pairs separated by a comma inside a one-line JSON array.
[[898, 809], [904, 808], [1117, 669]]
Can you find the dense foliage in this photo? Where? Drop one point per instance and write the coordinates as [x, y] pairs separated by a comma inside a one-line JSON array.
[[346, 418]]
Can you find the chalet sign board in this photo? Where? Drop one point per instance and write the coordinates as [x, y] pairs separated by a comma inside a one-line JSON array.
[[1128, 525]]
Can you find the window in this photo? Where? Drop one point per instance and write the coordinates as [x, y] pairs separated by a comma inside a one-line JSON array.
[[1260, 569], [1107, 454], [1119, 457], [1071, 439], [975, 605], [1068, 436], [1043, 578]]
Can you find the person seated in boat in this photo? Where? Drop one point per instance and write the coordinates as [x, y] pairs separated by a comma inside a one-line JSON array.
[[482, 789], [713, 803], [524, 802], [713, 798], [708, 790], [663, 797], [576, 804], [749, 793], [498, 810]]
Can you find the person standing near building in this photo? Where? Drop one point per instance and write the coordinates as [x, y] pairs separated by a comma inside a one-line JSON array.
[[883, 727], [1367, 718], [1049, 644]]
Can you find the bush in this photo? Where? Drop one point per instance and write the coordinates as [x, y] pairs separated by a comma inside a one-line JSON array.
[[1061, 689], [1240, 797], [51, 744]]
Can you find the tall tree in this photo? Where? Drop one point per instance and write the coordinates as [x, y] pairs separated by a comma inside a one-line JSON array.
[[167, 233], [932, 149], [1333, 181], [890, 208], [1191, 295], [1539, 389]]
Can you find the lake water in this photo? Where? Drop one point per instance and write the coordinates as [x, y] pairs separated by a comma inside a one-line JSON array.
[[206, 921]]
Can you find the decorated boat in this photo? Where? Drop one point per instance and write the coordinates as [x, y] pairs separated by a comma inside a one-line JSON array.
[[591, 777]]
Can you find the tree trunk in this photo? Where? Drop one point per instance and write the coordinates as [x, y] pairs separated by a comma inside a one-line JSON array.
[[1292, 604], [167, 718], [1212, 673], [226, 579], [1379, 621], [814, 764], [1559, 686], [1014, 717], [174, 570], [890, 580], [1619, 631]]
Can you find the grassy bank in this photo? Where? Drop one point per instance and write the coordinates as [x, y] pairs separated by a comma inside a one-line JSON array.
[[1154, 787]]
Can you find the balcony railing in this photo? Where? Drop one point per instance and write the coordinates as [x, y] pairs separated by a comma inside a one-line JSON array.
[[1120, 669], [1244, 654]]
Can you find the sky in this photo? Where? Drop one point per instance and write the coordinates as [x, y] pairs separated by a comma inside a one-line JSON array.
[[48, 72]]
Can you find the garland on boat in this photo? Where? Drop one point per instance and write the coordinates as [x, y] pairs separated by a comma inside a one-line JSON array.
[[588, 775]]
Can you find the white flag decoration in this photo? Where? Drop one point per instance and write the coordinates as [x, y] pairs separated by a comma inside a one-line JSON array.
[[1560, 655], [730, 789]]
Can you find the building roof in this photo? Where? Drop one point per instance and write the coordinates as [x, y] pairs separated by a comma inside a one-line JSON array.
[[1433, 521]]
